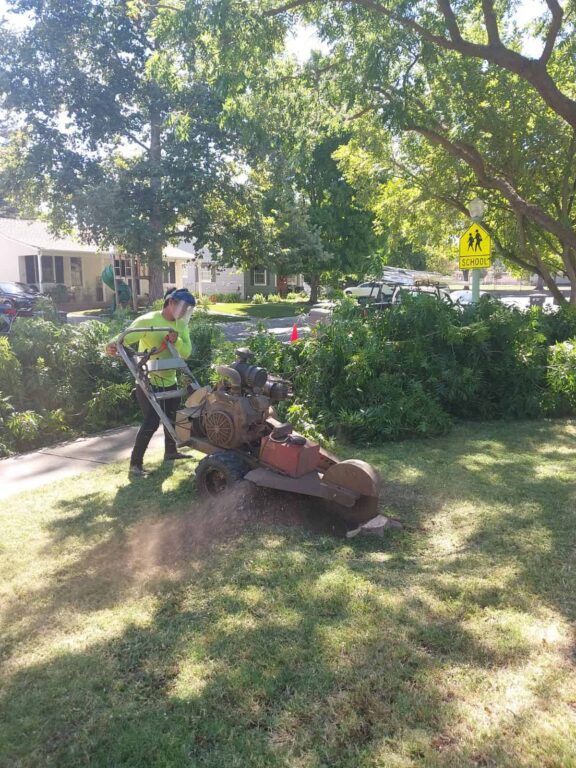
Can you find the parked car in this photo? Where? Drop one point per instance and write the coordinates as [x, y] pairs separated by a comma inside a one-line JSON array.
[[20, 296], [364, 289], [394, 294], [464, 297], [380, 298], [438, 291]]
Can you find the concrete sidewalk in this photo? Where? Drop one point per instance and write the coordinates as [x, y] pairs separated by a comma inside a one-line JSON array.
[[49, 465]]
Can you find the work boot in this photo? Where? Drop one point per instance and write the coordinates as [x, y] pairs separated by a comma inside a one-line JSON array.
[[135, 471], [176, 455]]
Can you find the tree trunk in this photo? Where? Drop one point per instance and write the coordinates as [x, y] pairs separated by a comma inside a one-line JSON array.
[[156, 247], [156, 281], [544, 276], [314, 281], [567, 258]]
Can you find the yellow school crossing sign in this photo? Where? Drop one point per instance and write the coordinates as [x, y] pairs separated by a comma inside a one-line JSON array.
[[475, 248]]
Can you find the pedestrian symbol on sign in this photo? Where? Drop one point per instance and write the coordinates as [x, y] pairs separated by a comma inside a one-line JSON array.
[[477, 240], [475, 248]]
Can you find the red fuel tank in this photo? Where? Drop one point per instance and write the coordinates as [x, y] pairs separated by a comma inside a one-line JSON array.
[[295, 456]]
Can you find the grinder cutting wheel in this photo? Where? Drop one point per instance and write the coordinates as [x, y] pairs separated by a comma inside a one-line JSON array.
[[234, 424]]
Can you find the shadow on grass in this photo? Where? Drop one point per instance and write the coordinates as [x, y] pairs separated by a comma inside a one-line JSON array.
[[222, 680], [278, 646]]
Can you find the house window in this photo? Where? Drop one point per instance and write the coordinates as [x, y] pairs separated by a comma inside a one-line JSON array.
[[208, 274], [52, 269], [122, 268], [170, 272], [31, 268], [259, 276], [75, 271]]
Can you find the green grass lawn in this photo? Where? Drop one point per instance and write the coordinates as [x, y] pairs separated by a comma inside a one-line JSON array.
[[140, 630], [245, 310]]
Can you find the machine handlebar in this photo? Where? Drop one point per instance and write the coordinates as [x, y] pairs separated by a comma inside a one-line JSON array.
[[129, 331]]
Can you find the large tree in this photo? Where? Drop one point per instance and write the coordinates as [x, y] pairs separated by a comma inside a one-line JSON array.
[[419, 189], [120, 134], [455, 77], [291, 129]]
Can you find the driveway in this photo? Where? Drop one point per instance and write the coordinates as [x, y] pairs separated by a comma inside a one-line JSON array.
[[280, 327]]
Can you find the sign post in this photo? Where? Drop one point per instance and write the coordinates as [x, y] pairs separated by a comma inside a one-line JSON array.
[[475, 246]]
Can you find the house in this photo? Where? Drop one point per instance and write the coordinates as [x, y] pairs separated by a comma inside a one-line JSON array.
[[29, 253], [203, 277]]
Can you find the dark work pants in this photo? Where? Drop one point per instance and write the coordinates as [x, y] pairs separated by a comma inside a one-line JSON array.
[[151, 423]]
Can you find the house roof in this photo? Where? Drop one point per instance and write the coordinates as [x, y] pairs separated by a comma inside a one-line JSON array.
[[172, 252], [37, 235]]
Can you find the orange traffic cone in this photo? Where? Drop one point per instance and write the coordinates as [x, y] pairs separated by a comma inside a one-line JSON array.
[[294, 336]]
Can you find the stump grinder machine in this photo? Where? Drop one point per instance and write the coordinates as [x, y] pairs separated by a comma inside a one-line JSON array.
[[234, 423]]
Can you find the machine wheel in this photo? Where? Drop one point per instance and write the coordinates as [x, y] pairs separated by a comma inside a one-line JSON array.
[[358, 476], [218, 472]]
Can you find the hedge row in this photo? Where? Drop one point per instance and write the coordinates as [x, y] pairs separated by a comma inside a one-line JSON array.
[[410, 370], [56, 382], [415, 367]]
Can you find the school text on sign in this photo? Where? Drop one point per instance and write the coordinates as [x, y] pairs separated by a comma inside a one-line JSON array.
[[475, 248]]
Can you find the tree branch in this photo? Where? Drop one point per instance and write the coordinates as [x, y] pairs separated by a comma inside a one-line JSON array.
[[359, 114], [553, 30], [533, 71], [133, 138], [566, 188], [491, 23], [474, 159], [451, 21]]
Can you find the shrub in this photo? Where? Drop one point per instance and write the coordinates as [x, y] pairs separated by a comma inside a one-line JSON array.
[[258, 298], [6, 411], [213, 298], [561, 379], [203, 302], [110, 405], [32, 338], [28, 429], [275, 298], [10, 371], [302, 295], [225, 298], [59, 293], [46, 308], [206, 339], [89, 368], [411, 369], [230, 298], [299, 416]]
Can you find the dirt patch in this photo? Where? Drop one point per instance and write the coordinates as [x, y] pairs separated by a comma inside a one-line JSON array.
[[177, 539]]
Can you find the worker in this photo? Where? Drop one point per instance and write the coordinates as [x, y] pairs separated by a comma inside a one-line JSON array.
[[175, 314]]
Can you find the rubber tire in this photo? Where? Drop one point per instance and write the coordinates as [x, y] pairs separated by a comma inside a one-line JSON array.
[[218, 472]]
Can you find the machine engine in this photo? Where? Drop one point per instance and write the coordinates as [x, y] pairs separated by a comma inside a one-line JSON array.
[[233, 412]]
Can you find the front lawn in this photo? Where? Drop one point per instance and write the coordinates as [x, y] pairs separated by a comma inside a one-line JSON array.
[[246, 310], [138, 630]]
